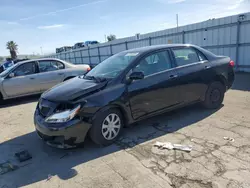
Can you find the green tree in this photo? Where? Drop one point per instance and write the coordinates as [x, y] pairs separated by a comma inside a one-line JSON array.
[[111, 37], [12, 47]]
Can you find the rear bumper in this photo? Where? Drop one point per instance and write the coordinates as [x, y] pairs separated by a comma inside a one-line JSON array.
[[61, 135]]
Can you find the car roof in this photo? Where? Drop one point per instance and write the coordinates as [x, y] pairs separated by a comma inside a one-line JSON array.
[[40, 59], [158, 47], [148, 49]]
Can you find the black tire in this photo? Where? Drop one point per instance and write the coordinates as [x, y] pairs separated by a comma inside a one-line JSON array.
[[96, 134], [1, 99], [214, 95]]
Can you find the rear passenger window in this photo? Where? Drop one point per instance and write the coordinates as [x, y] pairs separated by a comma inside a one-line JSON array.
[[201, 56], [185, 56], [49, 65]]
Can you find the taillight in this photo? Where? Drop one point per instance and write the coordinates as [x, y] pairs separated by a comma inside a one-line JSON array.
[[88, 69], [231, 63]]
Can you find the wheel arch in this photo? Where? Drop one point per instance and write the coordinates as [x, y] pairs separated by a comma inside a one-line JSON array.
[[124, 112], [217, 78], [222, 79]]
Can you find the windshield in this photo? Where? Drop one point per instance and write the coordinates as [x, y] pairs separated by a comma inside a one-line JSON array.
[[113, 66], [4, 73], [8, 64]]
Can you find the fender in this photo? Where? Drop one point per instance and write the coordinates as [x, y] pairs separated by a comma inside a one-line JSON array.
[[124, 110]]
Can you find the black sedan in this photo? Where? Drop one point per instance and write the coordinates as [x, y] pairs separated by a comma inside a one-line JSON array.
[[128, 87]]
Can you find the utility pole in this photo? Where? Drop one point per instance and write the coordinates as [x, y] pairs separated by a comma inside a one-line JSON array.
[[105, 38], [177, 25], [41, 50], [177, 22]]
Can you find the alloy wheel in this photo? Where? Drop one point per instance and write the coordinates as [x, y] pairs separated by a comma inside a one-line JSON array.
[[215, 95], [111, 126]]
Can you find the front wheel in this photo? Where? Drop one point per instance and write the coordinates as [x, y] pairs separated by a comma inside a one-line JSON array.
[[214, 95], [106, 127]]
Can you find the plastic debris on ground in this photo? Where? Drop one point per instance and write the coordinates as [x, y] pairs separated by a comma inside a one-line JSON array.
[[49, 177], [170, 146], [228, 138], [7, 167], [66, 154], [23, 156]]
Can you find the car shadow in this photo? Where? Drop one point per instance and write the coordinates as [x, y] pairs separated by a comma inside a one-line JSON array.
[[241, 81], [19, 101], [49, 161]]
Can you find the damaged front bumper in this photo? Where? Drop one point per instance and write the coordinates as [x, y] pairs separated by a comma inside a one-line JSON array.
[[61, 135]]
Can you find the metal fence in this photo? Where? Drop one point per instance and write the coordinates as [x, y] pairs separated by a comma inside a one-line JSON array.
[[228, 36]]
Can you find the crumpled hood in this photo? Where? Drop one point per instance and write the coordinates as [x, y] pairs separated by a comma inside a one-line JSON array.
[[72, 89]]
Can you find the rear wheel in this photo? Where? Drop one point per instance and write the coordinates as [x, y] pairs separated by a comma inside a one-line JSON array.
[[214, 95], [106, 127]]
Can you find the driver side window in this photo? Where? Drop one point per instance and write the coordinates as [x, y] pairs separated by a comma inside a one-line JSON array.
[[25, 69], [154, 63]]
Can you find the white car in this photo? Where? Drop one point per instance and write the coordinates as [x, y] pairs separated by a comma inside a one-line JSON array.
[[36, 76]]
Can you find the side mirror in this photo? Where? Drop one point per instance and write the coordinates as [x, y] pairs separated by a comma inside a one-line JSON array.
[[12, 75], [136, 76]]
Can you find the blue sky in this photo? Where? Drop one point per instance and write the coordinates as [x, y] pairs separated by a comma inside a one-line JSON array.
[[53, 23]]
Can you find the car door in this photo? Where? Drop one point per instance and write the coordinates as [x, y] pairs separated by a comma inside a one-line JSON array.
[[192, 69], [51, 72], [23, 80], [157, 90]]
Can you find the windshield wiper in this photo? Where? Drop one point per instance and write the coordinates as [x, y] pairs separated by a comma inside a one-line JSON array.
[[91, 78], [97, 79]]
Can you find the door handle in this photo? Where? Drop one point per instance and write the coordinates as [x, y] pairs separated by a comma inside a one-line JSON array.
[[173, 76], [60, 73], [32, 78]]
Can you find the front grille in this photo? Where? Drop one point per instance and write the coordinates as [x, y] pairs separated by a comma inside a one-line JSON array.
[[64, 106], [45, 137], [44, 110]]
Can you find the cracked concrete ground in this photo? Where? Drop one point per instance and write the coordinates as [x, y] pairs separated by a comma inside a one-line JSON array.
[[133, 161]]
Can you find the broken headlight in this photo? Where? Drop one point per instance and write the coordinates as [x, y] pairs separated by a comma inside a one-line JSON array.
[[63, 116]]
